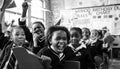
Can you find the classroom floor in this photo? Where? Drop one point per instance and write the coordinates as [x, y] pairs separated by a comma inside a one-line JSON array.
[[114, 64]]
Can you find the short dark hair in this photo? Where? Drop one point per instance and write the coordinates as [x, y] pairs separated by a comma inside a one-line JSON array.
[[38, 22], [77, 29], [52, 29]]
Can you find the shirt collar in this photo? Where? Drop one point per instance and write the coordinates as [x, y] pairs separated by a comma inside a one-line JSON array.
[[60, 55]]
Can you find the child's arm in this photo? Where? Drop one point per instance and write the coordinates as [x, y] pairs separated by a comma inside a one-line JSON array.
[[1, 17], [3, 39], [22, 22]]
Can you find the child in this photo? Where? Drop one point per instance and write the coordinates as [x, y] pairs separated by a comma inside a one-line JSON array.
[[96, 49], [85, 35], [38, 36], [78, 48], [75, 36], [57, 38], [17, 40]]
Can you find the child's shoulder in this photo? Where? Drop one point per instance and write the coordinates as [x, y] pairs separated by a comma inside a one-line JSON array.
[[68, 48], [44, 50]]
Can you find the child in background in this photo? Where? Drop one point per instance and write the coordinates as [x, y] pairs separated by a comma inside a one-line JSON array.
[[85, 35], [78, 48], [36, 38], [57, 38], [96, 48]]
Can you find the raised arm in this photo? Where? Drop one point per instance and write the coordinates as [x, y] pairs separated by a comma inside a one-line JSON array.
[[22, 22]]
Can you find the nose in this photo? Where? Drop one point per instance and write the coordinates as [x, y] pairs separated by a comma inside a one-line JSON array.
[[61, 43], [73, 37], [61, 40], [21, 36]]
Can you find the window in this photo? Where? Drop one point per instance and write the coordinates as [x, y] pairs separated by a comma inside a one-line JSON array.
[[36, 13]]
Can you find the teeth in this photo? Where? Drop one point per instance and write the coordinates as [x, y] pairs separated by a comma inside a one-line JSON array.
[[61, 45]]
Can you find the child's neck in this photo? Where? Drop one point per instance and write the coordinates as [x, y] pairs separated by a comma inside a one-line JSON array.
[[75, 45], [19, 45], [54, 50]]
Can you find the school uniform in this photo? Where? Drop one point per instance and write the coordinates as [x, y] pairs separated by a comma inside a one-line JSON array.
[[6, 44], [4, 41], [96, 51], [29, 38], [40, 43], [81, 55], [57, 59], [9, 60], [96, 48]]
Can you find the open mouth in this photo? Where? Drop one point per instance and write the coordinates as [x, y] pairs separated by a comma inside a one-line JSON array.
[[21, 40], [38, 32], [61, 46]]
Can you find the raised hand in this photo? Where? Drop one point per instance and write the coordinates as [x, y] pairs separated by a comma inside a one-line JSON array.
[[24, 7]]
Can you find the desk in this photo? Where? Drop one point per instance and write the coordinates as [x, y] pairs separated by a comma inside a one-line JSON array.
[[115, 52]]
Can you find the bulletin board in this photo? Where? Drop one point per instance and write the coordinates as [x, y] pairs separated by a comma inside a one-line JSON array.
[[93, 18]]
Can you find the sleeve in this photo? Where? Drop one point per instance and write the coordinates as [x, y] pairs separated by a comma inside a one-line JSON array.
[[99, 49], [41, 52], [36, 49], [22, 21], [3, 40], [4, 57]]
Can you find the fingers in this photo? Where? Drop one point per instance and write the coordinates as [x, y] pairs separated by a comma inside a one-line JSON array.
[[45, 58], [25, 5]]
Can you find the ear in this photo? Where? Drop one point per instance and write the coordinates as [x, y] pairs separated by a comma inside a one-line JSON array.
[[11, 36], [50, 41]]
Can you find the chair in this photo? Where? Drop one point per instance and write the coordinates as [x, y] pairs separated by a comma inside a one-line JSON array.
[[71, 65]]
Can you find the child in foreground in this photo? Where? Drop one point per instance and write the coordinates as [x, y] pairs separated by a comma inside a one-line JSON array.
[[17, 40]]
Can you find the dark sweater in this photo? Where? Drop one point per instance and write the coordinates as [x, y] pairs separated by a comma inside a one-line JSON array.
[[96, 49], [29, 38], [57, 62]]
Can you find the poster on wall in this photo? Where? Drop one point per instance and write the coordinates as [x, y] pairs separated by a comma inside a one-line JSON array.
[[1, 3], [93, 17]]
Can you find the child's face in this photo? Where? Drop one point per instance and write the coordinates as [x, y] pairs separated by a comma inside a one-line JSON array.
[[94, 35], [75, 37], [85, 33], [18, 36], [38, 29], [59, 40]]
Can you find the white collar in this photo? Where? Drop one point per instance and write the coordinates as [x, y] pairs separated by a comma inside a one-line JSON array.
[[78, 48], [93, 41], [61, 55]]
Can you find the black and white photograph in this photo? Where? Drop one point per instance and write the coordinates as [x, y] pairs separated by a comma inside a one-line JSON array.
[[59, 34]]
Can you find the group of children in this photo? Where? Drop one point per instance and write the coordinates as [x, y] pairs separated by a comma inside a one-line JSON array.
[[57, 45]]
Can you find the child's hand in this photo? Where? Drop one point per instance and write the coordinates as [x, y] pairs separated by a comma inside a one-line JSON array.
[[35, 39], [25, 5], [46, 61]]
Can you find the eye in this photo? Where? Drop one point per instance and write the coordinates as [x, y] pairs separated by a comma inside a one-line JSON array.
[[75, 35], [58, 38], [23, 34], [17, 34], [64, 38]]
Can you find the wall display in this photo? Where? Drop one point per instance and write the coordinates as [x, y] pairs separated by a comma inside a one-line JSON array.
[[93, 17], [1, 3]]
